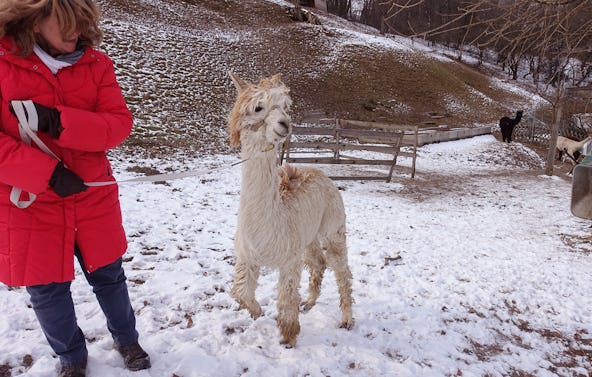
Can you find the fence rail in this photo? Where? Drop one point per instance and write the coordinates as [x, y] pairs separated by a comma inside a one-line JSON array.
[[332, 144]]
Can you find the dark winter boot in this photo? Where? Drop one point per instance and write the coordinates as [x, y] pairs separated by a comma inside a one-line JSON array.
[[78, 370], [134, 357]]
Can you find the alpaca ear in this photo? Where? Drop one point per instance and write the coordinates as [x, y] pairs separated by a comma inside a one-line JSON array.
[[234, 138], [233, 129], [276, 79], [239, 83]]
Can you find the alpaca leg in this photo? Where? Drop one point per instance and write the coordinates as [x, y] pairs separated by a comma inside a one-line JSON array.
[[337, 261], [315, 261], [288, 302], [245, 284]]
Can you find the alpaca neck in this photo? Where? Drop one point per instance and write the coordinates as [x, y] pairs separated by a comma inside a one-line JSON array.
[[260, 193], [518, 118]]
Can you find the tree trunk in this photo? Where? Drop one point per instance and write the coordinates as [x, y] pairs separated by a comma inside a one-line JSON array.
[[557, 115]]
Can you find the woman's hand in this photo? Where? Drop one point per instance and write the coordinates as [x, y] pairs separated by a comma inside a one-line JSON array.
[[65, 182], [49, 120]]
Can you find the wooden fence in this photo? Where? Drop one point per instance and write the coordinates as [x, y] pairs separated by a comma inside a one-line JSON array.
[[335, 142]]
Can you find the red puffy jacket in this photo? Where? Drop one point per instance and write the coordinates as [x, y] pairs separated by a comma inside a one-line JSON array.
[[37, 243]]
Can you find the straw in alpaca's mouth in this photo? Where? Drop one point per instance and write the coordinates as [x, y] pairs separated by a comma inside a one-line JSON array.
[[280, 135]]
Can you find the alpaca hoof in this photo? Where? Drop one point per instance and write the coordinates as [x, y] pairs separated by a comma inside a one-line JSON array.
[[288, 344], [348, 325], [254, 310], [255, 313], [305, 307]]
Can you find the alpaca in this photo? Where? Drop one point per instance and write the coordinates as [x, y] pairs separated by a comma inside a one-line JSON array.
[[572, 148], [507, 126], [288, 217]]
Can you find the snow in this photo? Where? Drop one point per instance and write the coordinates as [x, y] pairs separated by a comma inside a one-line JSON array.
[[377, 41], [535, 100], [476, 267]]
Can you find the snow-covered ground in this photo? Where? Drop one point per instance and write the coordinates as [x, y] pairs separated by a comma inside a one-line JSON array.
[[475, 268]]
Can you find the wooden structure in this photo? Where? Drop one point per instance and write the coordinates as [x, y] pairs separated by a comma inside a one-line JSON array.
[[444, 133], [319, 4], [338, 142]]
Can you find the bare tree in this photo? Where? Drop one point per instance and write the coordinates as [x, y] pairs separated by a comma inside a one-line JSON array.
[[555, 31], [342, 8], [556, 34]]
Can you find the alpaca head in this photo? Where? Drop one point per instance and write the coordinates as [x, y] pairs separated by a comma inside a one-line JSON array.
[[519, 114], [260, 114]]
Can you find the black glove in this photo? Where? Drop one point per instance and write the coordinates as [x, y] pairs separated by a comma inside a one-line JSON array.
[[65, 182], [49, 120]]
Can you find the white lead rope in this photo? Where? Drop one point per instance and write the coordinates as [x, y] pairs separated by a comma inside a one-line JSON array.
[[166, 176], [28, 126], [173, 176]]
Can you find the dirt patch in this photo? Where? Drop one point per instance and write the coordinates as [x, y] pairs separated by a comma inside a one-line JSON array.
[[5, 370]]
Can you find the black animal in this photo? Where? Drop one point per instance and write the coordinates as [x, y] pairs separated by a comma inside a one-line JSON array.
[[507, 126]]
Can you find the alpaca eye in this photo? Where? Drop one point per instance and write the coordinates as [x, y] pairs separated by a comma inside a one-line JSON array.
[[258, 109]]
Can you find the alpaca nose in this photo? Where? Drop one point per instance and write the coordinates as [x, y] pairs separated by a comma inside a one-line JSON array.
[[283, 128]]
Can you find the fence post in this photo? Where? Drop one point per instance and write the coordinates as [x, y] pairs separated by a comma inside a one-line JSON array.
[[337, 138], [415, 143], [558, 114]]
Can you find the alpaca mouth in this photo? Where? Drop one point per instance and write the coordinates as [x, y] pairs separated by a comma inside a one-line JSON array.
[[279, 134], [282, 129]]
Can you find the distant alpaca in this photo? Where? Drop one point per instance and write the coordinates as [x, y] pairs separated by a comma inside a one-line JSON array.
[[507, 126], [572, 147], [288, 217]]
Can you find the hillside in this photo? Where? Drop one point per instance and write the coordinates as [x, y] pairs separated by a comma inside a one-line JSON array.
[[172, 58]]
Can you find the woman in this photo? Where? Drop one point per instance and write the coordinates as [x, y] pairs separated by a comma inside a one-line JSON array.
[[47, 214]]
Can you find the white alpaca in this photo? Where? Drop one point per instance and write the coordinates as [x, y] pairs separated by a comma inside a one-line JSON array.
[[572, 147], [287, 217]]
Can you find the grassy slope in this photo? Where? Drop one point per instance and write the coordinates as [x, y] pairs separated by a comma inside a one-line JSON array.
[[173, 56]]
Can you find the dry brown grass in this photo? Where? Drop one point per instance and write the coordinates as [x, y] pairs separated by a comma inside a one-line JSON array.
[[323, 70]]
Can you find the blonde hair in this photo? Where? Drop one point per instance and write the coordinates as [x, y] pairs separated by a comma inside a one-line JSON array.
[[18, 18]]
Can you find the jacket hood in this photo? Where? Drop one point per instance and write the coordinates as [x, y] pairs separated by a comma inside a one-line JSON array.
[[8, 45]]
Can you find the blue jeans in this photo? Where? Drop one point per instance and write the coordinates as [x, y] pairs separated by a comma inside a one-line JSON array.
[[54, 309]]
